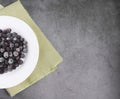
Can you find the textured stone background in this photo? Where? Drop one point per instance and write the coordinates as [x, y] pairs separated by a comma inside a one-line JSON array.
[[87, 35]]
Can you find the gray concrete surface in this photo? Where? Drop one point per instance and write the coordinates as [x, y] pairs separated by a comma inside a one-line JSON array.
[[87, 35]]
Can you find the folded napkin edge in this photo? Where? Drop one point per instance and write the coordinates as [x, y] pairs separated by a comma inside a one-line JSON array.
[[28, 85]]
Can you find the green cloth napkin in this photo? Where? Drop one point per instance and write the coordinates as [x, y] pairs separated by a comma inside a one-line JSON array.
[[48, 58], [1, 6]]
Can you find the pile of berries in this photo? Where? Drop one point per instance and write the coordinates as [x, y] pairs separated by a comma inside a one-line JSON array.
[[13, 49]]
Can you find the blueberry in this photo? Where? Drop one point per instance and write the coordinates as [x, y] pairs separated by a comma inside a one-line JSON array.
[[1, 54], [21, 48], [25, 42], [3, 39], [14, 34], [1, 70], [6, 44], [0, 39], [25, 46], [20, 62], [10, 67], [20, 43], [22, 39], [10, 54], [1, 65], [5, 54], [18, 49], [0, 34], [8, 49], [6, 62], [9, 35], [10, 61], [5, 70], [16, 44], [7, 30], [15, 53], [11, 45], [1, 59], [8, 38], [1, 31], [14, 38], [25, 50], [17, 58], [18, 36], [16, 65], [2, 50], [4, 35], [22, 55], [5, 65]]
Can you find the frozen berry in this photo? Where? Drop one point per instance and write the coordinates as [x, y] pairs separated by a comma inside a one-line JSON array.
[[14, 34], [22, 55], [17, 58], [8, 49], [1, 59], [5, 54], [25, 50], [7, 30], [20, 62], [11, 45], [1, 31], [10, 61], [14, 38], [6, 62], [16, 65], [22, 39], [1, 70], [15, 53], [18, 49], [10, 54], [0, 40], [8, 38], [16, 44], [2, 50]]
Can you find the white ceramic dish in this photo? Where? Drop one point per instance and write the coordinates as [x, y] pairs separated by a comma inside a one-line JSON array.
[[18, 75]]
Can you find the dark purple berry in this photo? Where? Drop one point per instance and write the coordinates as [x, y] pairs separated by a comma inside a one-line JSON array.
[[10, 61], [16, 65], [7, 30], [1, 31], [25, 50], [1, 70], [1, 59], [0, 40], [6, 62], [20, 62], [22, 55], [14, 34], [16, 44], [5, 54], [11, 45], [15, 53], [18, 49], [10, 54], [22, 39], [14, 38]]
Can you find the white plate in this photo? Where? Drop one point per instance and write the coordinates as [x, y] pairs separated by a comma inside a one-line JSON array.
[[17, 76]]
